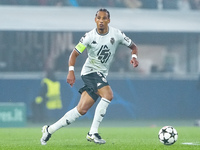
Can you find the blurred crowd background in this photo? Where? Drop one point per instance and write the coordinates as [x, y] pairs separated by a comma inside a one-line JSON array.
[[23, 51], [146, 4]]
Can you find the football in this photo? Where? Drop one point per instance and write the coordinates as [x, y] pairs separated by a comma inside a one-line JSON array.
[[168, 135]]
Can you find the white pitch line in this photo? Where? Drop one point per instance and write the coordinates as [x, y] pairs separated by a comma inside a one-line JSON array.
[[190, 143]]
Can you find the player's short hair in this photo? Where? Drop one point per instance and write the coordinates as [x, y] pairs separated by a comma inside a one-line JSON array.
[[105, 10]]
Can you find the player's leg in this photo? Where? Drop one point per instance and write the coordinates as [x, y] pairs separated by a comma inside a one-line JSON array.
[[106, 92], [106, 96], [85, 103], [83, 106], [67, 119]]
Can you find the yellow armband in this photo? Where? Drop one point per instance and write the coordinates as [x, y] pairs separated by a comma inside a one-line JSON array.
[[80, 47]]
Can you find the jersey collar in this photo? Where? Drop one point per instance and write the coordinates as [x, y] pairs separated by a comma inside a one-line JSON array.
[[103, 34]]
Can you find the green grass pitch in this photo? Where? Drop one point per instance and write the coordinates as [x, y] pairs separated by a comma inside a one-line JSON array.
[[117, 138]]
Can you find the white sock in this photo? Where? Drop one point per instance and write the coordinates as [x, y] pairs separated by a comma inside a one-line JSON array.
[[99, 114], [67, 119]]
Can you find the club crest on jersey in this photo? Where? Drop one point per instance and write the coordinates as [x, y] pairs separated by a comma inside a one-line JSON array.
[[112, 41]]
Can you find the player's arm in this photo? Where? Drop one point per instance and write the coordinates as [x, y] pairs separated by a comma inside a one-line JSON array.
[[134, 54], [72, 61], [79, 48], [134, 50]]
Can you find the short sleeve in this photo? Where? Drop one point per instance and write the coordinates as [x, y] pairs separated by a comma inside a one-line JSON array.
[[125, 40]]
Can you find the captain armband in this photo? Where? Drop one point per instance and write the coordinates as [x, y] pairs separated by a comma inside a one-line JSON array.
[[80, 47]]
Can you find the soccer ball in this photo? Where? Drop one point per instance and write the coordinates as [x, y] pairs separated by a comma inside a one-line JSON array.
[[168, 135]]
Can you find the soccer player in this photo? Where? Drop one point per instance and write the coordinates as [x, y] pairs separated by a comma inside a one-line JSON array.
[[101, 44]]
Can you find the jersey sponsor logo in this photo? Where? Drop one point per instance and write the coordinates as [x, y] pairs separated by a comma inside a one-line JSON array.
[[94, 42], [104, 54]]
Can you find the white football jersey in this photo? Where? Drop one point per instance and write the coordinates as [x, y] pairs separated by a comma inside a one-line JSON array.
[[101, 49]]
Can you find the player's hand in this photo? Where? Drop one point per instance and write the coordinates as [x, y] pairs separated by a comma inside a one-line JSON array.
[[134, 62], [71, 78]]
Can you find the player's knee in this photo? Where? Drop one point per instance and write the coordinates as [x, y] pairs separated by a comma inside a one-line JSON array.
[[108, 97], [106, 92], [82, 111]]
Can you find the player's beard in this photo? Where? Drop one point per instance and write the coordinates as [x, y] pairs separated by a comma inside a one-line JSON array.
[[101, 29]]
